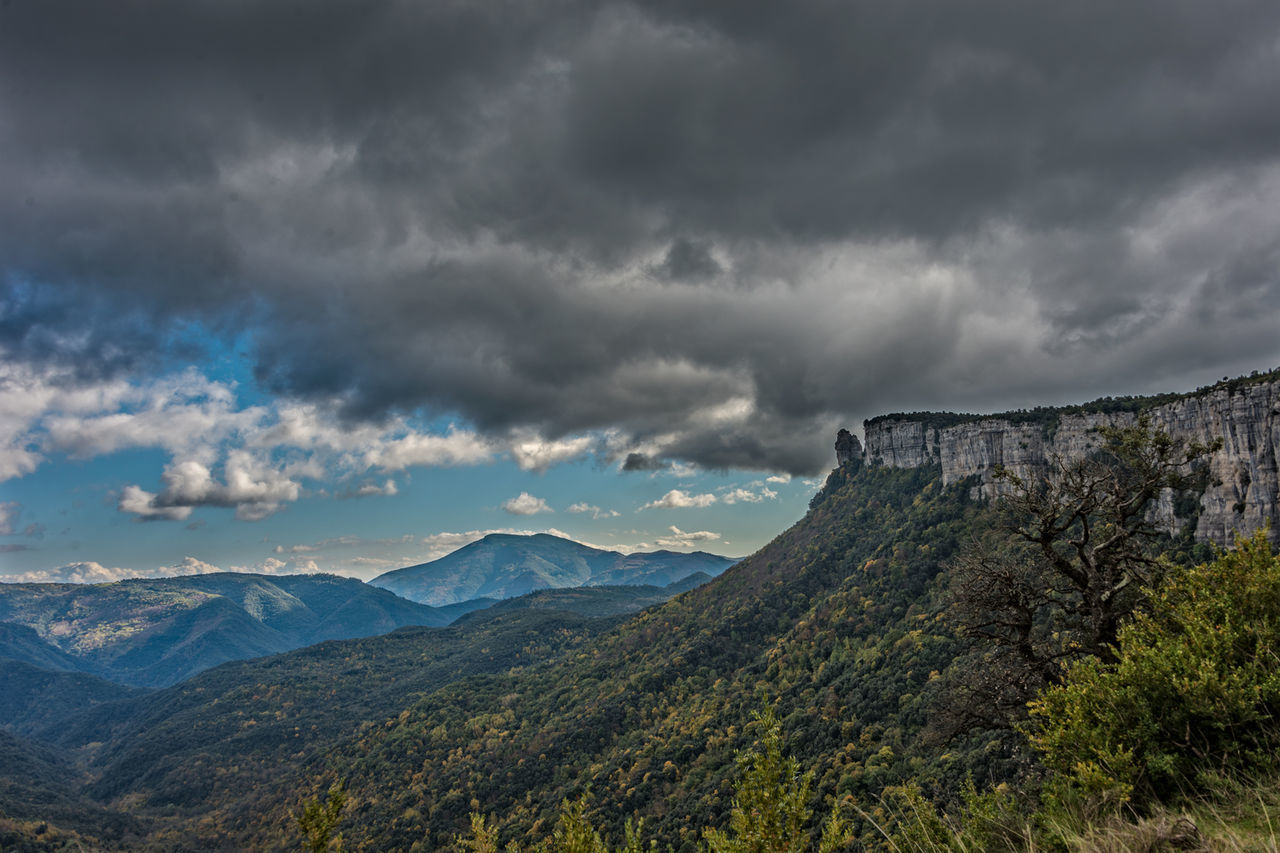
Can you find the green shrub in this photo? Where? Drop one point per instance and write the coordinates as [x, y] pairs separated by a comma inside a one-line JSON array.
[[771, 810], [318, 819], [1193, 692]]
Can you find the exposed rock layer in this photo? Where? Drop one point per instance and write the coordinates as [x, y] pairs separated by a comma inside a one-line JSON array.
[[1244, 490]]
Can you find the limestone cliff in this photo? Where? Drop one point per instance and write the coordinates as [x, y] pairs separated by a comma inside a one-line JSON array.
[[1244, 490]]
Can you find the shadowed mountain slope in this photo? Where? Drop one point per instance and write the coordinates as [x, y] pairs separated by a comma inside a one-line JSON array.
[[591, 601], [40, 784], [22, 643], [154, 632], [222, 737], [274, 713], [36, 702]]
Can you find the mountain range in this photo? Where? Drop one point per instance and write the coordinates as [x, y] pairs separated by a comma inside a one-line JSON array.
[[505, 565], [155, 632]]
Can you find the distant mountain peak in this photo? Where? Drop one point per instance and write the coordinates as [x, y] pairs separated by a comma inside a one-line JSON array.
[[502, 565]]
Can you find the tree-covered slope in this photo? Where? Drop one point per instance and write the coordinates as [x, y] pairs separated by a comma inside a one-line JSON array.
[[210, 745], [836, 621], [209, 741], [661, 568], [37, 701], [40, 784], [590, 601], [21, 643]]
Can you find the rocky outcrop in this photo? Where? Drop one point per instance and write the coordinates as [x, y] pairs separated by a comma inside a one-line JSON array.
[[848, 448], [1244, 483]]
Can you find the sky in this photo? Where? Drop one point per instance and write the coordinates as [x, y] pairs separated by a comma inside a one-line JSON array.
[[341, 286]]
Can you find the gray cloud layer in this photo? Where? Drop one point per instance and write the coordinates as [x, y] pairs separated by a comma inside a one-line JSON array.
[[721, 228]]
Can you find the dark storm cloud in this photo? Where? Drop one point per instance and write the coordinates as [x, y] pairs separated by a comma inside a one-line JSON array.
[[721, 227], [641, 462], [87, 335], [687, 260]]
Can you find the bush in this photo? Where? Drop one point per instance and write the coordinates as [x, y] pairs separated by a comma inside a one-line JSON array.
[[1193, 692]]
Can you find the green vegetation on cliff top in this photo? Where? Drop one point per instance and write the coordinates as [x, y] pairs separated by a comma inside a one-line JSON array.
[[1046, 416]]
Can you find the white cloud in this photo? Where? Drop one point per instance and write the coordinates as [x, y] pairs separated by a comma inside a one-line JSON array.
[[273, 566], [456, 447], [294, 549], [143, 504], [17, 460], [678, 499], [184, 413], [86, 572], [27, 395], [595, 511], [534, 453], [682, 539], [257, 460], [740, 495], [365, 490], [625, 549], [254, 487], [221, 454], [780, 479], [315, 427], [359, 448], [191, 566], [526, 504], [93, 572]]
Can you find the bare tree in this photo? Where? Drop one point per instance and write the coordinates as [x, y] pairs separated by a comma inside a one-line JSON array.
[[1074, 556]]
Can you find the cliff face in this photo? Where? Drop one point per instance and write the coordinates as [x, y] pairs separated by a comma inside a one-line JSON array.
[[1244, 490]]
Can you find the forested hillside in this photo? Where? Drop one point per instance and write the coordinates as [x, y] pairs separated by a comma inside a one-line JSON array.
[[836, 621], [259, 721]]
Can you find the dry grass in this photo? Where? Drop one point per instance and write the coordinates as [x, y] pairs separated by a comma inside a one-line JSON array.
[[1237, 818]]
